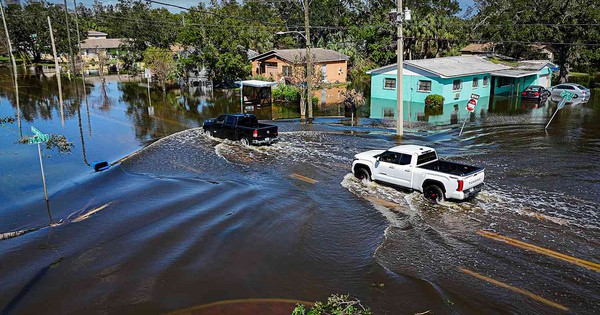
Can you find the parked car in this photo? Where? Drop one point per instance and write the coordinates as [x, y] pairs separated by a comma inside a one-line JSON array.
[[418, 168], [242, 127], [581, 92], [535, 92]]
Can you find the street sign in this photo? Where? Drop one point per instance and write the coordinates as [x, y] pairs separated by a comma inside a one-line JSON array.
[[567, 95], [36, 131], [147, 74], [36, 139], [39, 137]]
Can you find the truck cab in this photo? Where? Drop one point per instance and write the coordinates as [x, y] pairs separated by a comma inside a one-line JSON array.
[[418, 168]]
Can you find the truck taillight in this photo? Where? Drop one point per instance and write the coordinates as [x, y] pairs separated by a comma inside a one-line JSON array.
[[536, 94], [460, 185], [524, 93], [255, 134]]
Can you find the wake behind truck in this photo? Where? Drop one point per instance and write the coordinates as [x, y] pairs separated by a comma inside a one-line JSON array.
[[418, 168]]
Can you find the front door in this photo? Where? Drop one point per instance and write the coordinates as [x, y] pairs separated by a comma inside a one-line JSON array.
[[229, 128]]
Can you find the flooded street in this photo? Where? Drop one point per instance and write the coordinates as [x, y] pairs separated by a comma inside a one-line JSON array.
[[183, 219]]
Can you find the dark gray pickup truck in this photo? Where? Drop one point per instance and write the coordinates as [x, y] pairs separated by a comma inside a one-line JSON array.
[[242, 127]]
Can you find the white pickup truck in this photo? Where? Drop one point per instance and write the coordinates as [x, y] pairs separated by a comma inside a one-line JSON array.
[[416, 167]]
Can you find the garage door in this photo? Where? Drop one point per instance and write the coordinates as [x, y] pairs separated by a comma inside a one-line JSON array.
[[544, 80]]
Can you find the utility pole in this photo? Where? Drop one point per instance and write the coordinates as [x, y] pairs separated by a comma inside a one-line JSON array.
[[60, 98], [399, 98], [69, 38], [14, 66], [78, 41], [309, 64]]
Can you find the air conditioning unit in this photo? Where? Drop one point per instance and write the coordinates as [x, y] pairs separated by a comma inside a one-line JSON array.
[[456, 96]]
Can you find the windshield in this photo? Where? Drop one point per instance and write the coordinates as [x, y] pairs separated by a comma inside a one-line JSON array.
[[426, 158]]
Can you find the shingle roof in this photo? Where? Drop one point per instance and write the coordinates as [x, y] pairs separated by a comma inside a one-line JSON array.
[[478, 48], [449, 67], [534, 64], [96, 33], [102, 43], [299, 55], [513, 73], [456, 66]]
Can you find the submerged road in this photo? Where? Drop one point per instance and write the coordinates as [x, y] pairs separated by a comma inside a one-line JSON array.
[[190, 220]]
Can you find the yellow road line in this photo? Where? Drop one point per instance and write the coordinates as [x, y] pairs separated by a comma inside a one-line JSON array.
[[383, 202], [574, 260], [514, 289], [304, 178], [341, 165], [226, 302], [91, 212]]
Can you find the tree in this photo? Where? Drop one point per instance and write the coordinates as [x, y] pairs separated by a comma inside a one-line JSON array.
[[29, 32], [161, 63], [515, 24]]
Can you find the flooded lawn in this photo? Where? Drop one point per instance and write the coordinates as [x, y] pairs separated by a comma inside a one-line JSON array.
[[186, 220]]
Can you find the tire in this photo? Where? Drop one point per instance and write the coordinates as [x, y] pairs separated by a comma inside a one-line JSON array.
[[207, 133], [245, 141], [362, 174], [434, 193]]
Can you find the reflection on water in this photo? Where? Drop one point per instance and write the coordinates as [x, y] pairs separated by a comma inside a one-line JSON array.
[[191, 220]]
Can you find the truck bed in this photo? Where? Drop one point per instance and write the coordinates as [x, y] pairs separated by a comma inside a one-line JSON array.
[[451, 168]]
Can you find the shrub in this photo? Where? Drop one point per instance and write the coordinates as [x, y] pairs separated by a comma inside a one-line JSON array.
[[286, 93], [434, 104], [580, 78], [261, 77], [336, 304], [434, 101]]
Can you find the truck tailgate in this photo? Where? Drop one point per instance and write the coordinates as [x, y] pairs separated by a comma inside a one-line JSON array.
[[473, 180], [267, 132]]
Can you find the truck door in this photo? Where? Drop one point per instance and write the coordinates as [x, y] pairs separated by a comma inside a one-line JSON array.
[[403, 170], [229, 128], [386, 167], [217, 127]]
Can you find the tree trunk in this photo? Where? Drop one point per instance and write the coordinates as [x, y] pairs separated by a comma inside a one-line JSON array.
[[563, 53]]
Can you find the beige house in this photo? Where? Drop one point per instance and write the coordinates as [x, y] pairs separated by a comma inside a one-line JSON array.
[[97, 43], [278, 64]]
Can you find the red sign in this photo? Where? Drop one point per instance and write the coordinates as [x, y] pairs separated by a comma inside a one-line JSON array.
[[471, 105]]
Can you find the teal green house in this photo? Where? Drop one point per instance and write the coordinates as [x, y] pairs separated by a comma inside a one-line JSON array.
[[456, 79]]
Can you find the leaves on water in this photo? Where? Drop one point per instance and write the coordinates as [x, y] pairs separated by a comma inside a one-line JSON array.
[[336, 304], [56, 141], [7, 120]]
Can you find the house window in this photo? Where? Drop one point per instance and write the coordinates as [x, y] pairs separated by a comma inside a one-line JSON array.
[[271, 64], [388, 112], [456, 85], [389, 84], [424, 86], [475, 82], [287, 71], [485, 81]]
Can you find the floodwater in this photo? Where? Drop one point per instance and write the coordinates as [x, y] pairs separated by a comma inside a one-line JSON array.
[[185, 220]]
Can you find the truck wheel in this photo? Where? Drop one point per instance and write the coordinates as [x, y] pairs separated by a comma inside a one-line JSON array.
[[434, 193], [362, 174], [207, 133], [244, 141]]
